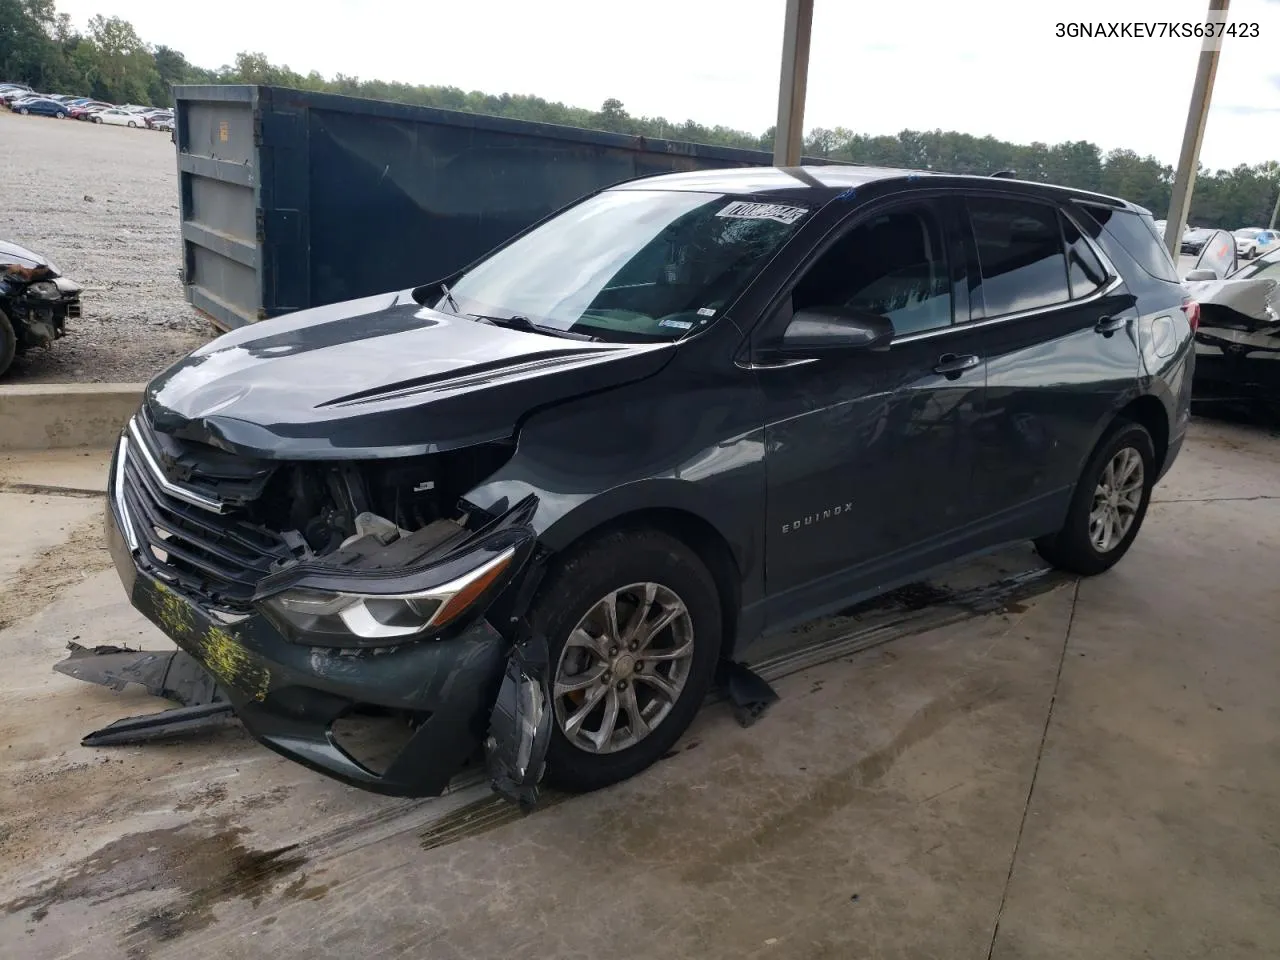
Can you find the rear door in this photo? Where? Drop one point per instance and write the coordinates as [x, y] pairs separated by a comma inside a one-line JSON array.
[[1058, 334]]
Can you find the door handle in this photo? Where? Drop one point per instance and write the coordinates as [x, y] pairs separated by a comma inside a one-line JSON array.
[[1109, 325], [951, 365]]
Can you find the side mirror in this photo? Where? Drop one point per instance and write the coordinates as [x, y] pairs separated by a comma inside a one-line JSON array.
[[833, 329], [1196, 276]]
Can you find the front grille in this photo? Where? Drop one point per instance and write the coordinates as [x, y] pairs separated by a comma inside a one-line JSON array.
[[187, 537]]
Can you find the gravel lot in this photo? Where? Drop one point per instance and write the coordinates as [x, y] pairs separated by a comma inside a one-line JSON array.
[[102, 203]]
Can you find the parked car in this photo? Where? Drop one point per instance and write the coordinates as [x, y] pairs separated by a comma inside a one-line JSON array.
[[1238, 342], [117, 117], [36, 301], [85, 111], [548, 494], [15, 86], [41, 107], [1254, 241], [1194, 239], [161, 123], [10, 97], [154, 117]]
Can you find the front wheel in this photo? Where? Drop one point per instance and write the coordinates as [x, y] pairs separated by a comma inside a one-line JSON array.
[[24, 111], [1109, 504], [132, 124], [633, 626], [62, 116], [97, 119], [8, 343]]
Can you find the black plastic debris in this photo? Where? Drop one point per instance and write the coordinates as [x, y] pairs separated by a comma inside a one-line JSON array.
[[173, 675], [750, 695], [520, 725]]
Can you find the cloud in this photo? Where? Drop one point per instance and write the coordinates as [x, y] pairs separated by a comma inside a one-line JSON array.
[[1240, 110]]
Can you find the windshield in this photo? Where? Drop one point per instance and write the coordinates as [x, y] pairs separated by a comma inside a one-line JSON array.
[[1247, 234], [630, 265]]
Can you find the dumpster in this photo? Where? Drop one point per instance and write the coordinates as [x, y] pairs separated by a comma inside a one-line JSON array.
[[291, 199]]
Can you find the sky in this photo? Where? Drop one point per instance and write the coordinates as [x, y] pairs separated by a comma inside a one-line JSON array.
[[994, 67]]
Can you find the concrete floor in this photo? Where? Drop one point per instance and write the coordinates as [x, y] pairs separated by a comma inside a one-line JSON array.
[[1091, 773]]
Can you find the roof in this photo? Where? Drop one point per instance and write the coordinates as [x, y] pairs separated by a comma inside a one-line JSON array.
[[822, 183]]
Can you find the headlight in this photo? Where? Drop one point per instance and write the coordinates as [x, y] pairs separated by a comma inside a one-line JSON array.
[[372, 619], [44, 290]]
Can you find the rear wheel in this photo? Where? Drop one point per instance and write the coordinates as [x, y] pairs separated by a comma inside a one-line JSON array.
[[8, 343], [24, 111], [97, 119], [632, 622], [1109, 504], [132, 124]]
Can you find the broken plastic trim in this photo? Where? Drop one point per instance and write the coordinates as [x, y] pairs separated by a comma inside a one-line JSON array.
[[520, 725]]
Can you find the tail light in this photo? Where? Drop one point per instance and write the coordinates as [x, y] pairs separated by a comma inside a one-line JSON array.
[[1192, 310]]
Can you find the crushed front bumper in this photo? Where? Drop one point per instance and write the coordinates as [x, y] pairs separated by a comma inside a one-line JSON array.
[[289, 696], [1232, 364]]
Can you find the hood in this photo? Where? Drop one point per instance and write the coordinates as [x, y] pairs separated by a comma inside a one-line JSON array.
[[12, 254], [1256, 301], [378, 377]]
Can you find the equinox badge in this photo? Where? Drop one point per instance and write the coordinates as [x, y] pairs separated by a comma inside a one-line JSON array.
[[813, 518]]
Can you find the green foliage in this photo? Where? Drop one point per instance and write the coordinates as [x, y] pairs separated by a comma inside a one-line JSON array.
[[39, 47]]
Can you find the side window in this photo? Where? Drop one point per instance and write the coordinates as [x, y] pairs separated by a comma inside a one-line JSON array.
[[1021, 254], [1084, 270], [1138, 235], [894, 264]]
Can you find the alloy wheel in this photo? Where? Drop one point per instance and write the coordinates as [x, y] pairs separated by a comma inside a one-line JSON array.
[[623, 668], [1116, 499]]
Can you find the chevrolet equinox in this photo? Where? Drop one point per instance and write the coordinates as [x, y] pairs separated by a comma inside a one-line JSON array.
[[530, 508]]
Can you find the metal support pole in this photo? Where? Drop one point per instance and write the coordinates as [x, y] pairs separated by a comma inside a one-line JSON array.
[[1275, 211], [1201, 92], [788, 139]]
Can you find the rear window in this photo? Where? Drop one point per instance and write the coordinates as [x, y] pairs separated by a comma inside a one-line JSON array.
[[1138, 235]]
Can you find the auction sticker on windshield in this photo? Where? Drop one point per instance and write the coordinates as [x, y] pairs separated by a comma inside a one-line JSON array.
[[745, 210]]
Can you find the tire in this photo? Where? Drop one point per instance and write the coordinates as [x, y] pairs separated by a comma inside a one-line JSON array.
[[24, 111], [62, 116], [132, 124], [97, 119], [570, 597], [1073, 548], [8, 343]]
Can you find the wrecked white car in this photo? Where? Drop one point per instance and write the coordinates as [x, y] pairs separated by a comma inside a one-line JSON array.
[[1238, 341]]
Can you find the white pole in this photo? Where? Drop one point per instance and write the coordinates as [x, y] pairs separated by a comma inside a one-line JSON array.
[[788, 139], [1201, 93]]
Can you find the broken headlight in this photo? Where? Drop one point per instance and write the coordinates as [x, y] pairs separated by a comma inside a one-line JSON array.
[[44, 290], [369, 619]]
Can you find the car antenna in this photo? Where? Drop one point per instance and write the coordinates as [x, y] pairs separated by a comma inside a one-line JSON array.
[[1006, 174]]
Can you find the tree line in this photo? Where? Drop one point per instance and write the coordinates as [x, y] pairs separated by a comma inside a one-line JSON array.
[[39, 46]]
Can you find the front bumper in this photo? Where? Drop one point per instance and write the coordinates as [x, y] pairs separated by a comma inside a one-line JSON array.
[[289, 696], [1229, 369]]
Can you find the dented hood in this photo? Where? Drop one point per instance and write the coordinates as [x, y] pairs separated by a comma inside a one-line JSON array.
[[1256, 300], [12, 254], [378, 377]]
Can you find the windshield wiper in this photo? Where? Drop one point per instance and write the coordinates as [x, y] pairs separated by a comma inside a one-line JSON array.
[[448, 295], [518, 322]]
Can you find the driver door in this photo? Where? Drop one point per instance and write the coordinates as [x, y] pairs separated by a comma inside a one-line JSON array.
[[870, 453]]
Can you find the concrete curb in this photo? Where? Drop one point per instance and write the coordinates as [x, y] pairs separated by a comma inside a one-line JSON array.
[[52, 416]]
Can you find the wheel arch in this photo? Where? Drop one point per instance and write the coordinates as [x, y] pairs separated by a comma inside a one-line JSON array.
[[678, 508], [1149, 411]]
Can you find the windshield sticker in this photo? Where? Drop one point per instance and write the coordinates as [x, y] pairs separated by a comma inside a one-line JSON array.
[[677, 324], [743, 210], [706, 312]]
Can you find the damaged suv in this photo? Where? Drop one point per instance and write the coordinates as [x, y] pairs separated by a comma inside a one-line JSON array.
[[530, 508]]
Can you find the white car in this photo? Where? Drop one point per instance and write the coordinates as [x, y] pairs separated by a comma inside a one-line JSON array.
[[119, 118], [1254, 241]]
